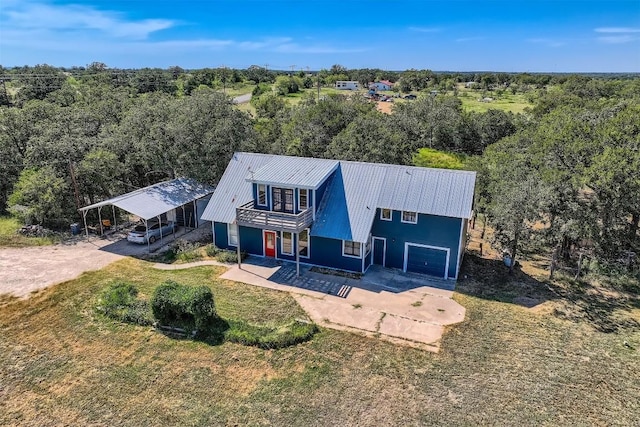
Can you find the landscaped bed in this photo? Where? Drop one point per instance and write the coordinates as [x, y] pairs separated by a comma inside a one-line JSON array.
[[507, 364]]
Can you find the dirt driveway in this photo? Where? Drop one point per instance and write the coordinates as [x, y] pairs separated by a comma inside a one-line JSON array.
[[26, 270]]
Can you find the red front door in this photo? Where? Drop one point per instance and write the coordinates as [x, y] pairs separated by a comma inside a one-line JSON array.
[[270, 244]]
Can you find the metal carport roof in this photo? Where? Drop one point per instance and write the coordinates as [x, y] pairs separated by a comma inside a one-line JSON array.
[[154, 200]]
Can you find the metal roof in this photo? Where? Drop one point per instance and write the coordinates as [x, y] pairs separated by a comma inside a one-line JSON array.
[[233, 190], [156, 199], [300, 172], [356, 189]]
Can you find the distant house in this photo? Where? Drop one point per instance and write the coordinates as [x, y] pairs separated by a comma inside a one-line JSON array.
[[347, 85], [343, 215], [381, 85]]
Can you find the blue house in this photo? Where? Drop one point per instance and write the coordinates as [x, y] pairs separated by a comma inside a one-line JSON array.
[[343, 215]]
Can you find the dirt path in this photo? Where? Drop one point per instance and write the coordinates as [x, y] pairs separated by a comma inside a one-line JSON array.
[[26, 270]]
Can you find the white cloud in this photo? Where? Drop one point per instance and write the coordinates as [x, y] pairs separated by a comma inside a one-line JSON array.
[[617, 30], [470, 39], [28, 16], [28, 26], [625, 38], [425, 29], [547, 42]]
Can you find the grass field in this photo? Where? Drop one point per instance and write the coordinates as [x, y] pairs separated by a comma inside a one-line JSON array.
[[471, 101], [553, 364], [9, 237]]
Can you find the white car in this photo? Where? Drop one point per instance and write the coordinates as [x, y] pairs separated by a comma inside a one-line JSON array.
[[140, 234]]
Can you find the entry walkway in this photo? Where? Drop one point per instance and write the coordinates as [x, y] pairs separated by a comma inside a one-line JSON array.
[[410, 310]]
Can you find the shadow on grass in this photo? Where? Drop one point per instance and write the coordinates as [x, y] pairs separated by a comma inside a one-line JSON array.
[[606, 309]]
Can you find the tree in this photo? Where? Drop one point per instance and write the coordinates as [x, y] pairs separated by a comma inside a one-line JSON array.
[[370, 138], [37, 82], [515, 192], [39, 196], [268, 105]]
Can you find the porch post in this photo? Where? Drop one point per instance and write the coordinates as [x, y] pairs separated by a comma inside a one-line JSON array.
[[113, 211], [100, 220], [84, 219], [297, 248], [160, 228], [146, 227], [238, 251]]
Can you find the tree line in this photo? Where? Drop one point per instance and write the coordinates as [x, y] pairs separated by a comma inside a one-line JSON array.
[[563, 175]]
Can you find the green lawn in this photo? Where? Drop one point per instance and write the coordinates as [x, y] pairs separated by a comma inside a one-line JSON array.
[[472, 101], [9, 236], [506, 364]]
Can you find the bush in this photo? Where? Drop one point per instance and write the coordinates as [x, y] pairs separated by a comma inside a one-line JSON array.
[[187, 251], [212, 250], [230, 257], [190, 308], [270, 338], [119, 302]]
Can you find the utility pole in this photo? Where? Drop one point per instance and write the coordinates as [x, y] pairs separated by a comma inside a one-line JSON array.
[[318, 75], [292, 68]]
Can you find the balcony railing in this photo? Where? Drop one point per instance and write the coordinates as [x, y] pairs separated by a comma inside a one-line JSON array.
[[247, 216]]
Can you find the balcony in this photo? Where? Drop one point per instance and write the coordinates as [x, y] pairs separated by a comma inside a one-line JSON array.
[[247, 216]]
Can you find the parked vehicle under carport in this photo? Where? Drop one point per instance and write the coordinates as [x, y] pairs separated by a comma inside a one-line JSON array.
[[156, 230]]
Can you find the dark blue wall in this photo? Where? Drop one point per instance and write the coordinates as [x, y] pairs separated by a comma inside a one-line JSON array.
[[430, 230], [328, 253], [320, 191], [250, 239], [220, 235]]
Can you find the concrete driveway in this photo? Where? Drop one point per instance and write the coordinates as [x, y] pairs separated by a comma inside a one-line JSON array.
[[413, 314]]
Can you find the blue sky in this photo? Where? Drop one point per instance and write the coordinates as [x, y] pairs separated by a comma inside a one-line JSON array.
[[518, 36]]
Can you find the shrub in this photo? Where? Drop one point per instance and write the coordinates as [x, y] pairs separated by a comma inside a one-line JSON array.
[[270, 338], [230, 256], [187, 251], [119, 302], [212, 250], [191, 308]]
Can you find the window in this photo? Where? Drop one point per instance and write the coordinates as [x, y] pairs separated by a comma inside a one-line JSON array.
[[232, 234], [287, 243], [351, 249], [385, 214], [262, 195], [303, 243], [303, 199], [410, 217], [282, 199]]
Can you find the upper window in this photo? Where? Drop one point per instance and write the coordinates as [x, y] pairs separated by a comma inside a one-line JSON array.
[[352, 249], [232, 234], [385, 214], [262, 195], [303, 243], [287, 243], [410, 217], [303, 199]]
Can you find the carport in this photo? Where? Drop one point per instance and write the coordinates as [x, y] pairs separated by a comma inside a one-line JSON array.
[[167, 198]]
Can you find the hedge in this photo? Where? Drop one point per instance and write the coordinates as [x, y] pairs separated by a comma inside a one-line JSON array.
[[119, 302], [190, 308], [270, 338]]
